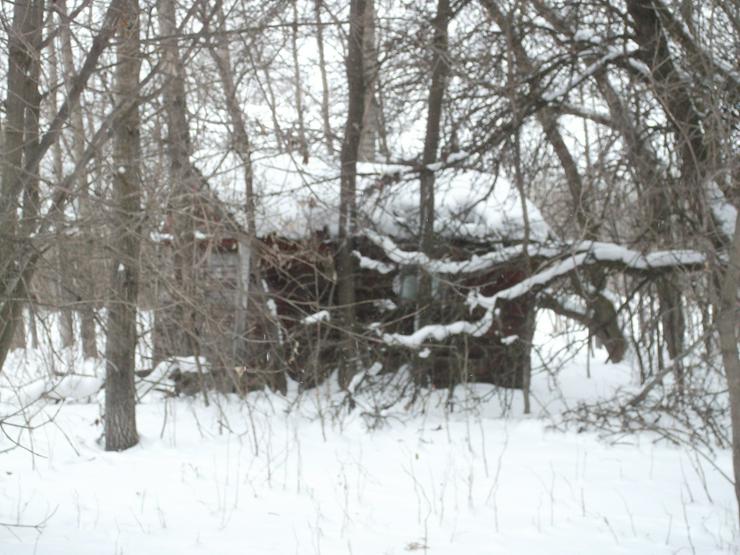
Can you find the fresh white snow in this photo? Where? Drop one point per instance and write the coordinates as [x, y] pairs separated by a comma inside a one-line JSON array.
[[320, 316], [278, 475], [294, 198]]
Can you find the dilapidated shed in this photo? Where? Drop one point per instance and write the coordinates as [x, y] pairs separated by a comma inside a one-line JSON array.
[[267, 303]]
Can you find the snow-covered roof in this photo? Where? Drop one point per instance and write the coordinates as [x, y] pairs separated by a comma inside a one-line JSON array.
[[294, 199]]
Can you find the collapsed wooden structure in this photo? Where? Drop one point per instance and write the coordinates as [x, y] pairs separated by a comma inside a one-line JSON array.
[[265, 307]]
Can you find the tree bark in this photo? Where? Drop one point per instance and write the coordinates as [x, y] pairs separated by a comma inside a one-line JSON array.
[[681, 111], [347, 200], [31, 197], [19, 85], [241, 145], [84, 268], [325, 115], [440, 71], [605, 319], [185, 182], [120, 393], [18, 258], [62, 271], [368, 137], [298, 87], [728, 316]]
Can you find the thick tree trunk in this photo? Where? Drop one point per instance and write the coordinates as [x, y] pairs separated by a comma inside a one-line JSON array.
[[670, 88], [369, 134], [186, 185], [62, 255], [84, 268], [440, 71], [19, 85], [347, 207], [681, 111], [728, 318], [31, 123], [30, 210], [120, 393]]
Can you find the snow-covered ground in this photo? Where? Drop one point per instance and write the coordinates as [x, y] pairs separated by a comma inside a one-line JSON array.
[[280, 476]]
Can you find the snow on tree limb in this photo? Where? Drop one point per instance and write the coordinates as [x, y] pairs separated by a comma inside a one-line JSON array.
[[587, 253], [368, 263], [473, 264], [611, 55], [597, 252]]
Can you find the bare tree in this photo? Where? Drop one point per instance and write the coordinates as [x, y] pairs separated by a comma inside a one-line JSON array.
[[120, 394], [325, 116], [22, 52], [349, 156], [369, 135], [298, 87], [185, 181], [651, 20], [727, 326], [85, 269], [249, 266], [440, 71], [19, 253], [63, 271]]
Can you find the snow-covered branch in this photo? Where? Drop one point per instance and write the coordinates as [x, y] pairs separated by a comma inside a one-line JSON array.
[[596, 252], [475, 263], [368, 263], [576, 80], [586, 253]]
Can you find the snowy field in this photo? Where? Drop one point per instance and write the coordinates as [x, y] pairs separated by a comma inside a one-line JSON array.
[[287, 476]]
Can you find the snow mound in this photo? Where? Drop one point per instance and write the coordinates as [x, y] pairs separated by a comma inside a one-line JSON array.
[[294, 199]]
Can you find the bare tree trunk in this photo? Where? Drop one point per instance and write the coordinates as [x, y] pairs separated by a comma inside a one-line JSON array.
[[347, 200], [302, 141], [20, 62], [32, 317], [18, 259], [30, 137], [30, 143], [269, 94], [120, 393], [673, 323], [728, 317], [682, 113], [328, 134], [63, 275], [88, 333], [440, 71], [381, 121], [185, 182], [241, 145], [84, 269], [368, 137], [605, 319]]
